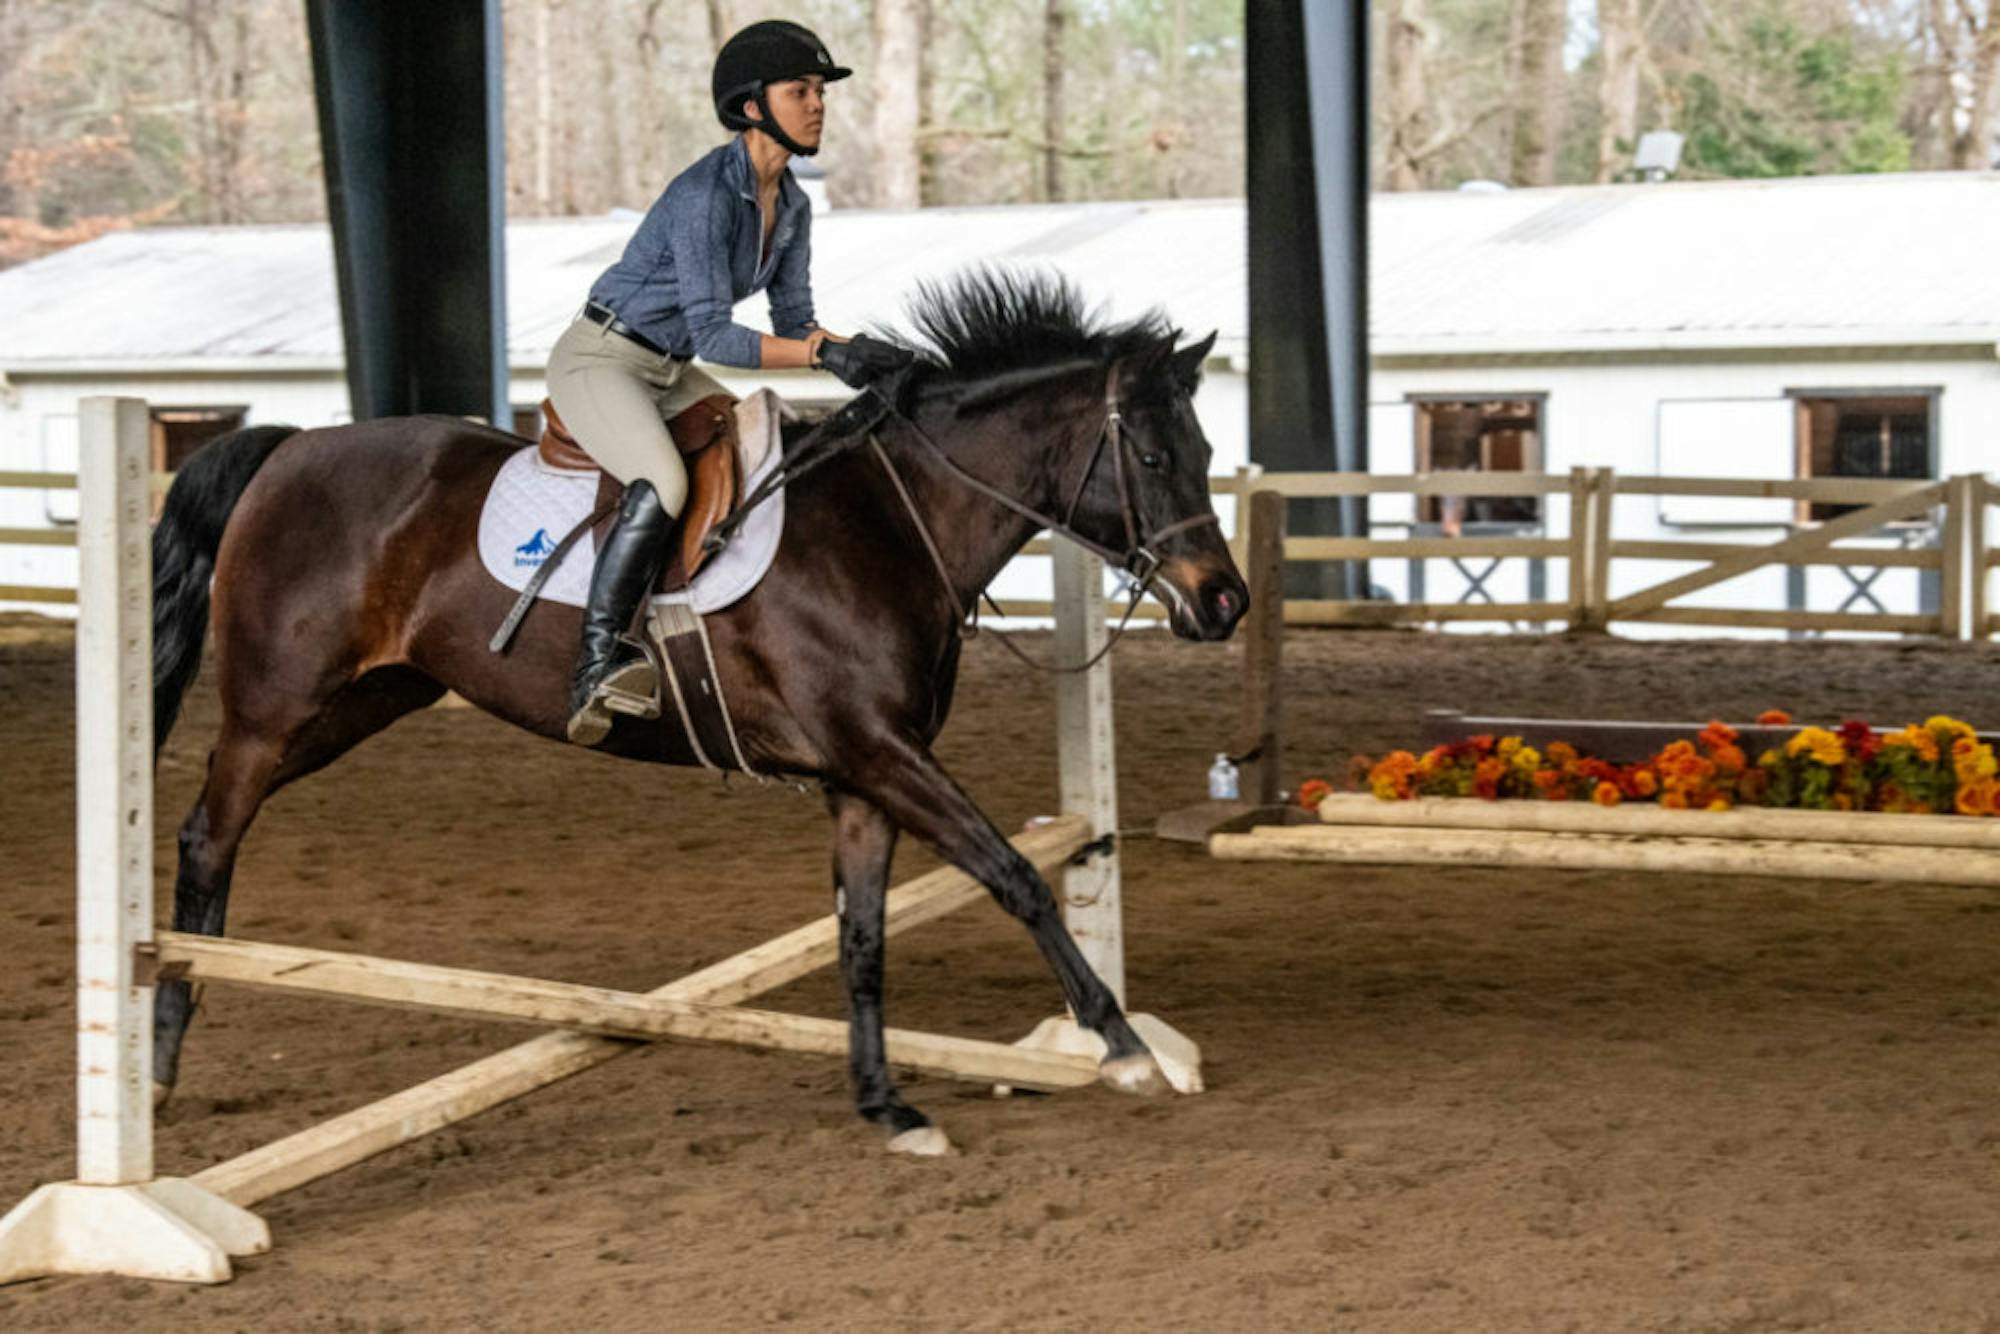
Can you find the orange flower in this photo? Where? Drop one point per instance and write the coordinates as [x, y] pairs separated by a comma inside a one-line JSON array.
[[1974, 798], [1729, 757], [1313, 791], [1607, 794], [1644, 783], [1562, 754], [1719, 804], [1717, 734], [1675, 801], [1486, 776], [1390, 779], [1773, 718]]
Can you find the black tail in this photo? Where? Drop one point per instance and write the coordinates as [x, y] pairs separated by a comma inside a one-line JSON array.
[[185, 540]]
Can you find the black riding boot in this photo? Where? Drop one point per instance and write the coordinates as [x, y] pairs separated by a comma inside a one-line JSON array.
[[611, 672]]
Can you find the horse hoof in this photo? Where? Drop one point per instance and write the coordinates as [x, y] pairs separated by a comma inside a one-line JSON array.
[[923, 1142], [161, 1092], [1134, 1074]]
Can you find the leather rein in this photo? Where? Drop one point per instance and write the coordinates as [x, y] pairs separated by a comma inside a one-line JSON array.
[[1138, 559]]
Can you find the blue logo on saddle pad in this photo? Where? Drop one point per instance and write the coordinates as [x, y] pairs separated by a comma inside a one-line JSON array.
[[534, 551]]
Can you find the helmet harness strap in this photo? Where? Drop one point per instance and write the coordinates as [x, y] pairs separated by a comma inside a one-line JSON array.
[[769, 125]]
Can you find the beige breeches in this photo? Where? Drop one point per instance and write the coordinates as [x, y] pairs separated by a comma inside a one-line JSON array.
[[616, 398]]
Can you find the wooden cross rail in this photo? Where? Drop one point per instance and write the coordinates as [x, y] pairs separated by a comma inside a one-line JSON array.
[[599, 1010], [452, 1097]]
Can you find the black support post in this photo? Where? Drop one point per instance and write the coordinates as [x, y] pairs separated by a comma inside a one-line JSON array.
[[1308, 232], [410, 129]]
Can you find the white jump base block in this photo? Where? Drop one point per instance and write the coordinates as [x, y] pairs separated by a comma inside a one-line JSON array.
[[1178, 1056], [167, 1229]]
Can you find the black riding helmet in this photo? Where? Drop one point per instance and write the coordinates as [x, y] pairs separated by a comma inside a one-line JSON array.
[[762, 54]]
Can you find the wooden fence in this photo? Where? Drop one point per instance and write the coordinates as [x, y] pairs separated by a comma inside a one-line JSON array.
[[1962, 559], [1955, 509]]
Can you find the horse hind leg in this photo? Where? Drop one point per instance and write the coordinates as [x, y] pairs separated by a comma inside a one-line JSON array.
[[248, 764]]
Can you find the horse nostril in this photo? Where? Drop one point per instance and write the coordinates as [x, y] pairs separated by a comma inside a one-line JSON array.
[[1225, 605]]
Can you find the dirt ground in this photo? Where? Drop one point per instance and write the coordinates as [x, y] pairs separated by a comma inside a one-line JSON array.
[[1456, 1100]]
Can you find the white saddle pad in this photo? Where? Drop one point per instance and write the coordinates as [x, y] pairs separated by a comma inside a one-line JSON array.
[[531, 506]]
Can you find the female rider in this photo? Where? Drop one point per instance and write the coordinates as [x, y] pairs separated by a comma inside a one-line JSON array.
[[732, 224]]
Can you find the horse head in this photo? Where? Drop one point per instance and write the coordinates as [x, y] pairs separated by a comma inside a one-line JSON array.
[[1120, 460], [1147, 492]]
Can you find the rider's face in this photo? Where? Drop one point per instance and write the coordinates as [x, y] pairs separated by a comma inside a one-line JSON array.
[[799, 107]]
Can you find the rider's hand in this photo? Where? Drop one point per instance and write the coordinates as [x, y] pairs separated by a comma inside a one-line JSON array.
[[862, 360]]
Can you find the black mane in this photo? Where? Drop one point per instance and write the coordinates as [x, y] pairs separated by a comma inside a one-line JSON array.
[[988, 322]]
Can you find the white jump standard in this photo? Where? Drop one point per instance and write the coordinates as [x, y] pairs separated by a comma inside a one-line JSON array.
[[116, 1217]]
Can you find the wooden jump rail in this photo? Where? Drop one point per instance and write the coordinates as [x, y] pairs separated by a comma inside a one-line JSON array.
[[118, 1217], [1817, 845]]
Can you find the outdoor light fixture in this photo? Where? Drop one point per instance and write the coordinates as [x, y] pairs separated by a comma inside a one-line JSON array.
[[1658, 156]]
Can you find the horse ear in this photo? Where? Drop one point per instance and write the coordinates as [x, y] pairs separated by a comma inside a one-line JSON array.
[[1188, 362]]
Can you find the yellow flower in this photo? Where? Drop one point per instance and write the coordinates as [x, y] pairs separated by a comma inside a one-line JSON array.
[[1767, 760], [1527, 758], [1946, 728], [1719, 804], [1819, 744], [1971, 761]]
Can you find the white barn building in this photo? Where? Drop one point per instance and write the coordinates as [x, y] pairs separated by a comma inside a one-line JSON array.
[[1828, 326]]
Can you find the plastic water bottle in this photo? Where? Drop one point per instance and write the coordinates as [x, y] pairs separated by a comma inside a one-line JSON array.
[[1222, 780]]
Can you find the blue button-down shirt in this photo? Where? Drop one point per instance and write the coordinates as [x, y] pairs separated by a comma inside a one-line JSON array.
[[697, 253]]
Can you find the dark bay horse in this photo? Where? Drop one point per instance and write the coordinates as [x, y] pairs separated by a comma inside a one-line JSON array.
[[348, 591]]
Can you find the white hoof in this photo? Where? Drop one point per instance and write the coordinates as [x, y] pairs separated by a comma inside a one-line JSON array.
[[161, 1092], [923, 1142], [1134, 1074]]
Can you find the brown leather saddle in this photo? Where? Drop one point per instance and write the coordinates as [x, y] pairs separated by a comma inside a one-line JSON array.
[[705, 434]]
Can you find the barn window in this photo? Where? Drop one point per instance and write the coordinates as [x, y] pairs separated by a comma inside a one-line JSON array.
[[1467, 434], [1886, 434], [179, 432]]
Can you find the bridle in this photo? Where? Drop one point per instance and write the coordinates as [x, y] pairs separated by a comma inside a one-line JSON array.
[[1139, 560]]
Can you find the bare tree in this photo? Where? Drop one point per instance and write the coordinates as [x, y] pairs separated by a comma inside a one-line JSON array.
[[544, 121], [1410, 115], [899, 58], [1621, 41], [721, 23], [1537, 31], [1054, 19], [1973, 148]]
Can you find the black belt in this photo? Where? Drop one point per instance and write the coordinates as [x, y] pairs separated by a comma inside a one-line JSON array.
[[598, 313]]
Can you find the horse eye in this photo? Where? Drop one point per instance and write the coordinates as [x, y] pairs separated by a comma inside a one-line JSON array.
[[1150, 460]]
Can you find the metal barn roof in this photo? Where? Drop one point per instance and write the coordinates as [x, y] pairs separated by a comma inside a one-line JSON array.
[[1885, 261]]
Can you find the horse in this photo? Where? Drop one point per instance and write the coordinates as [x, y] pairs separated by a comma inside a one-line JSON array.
[[339, 570]]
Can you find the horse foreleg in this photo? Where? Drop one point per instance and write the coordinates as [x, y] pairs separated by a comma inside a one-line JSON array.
[[863, 841], [913, 789]]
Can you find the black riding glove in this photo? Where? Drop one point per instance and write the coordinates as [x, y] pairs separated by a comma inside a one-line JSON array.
[[862, 360]]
